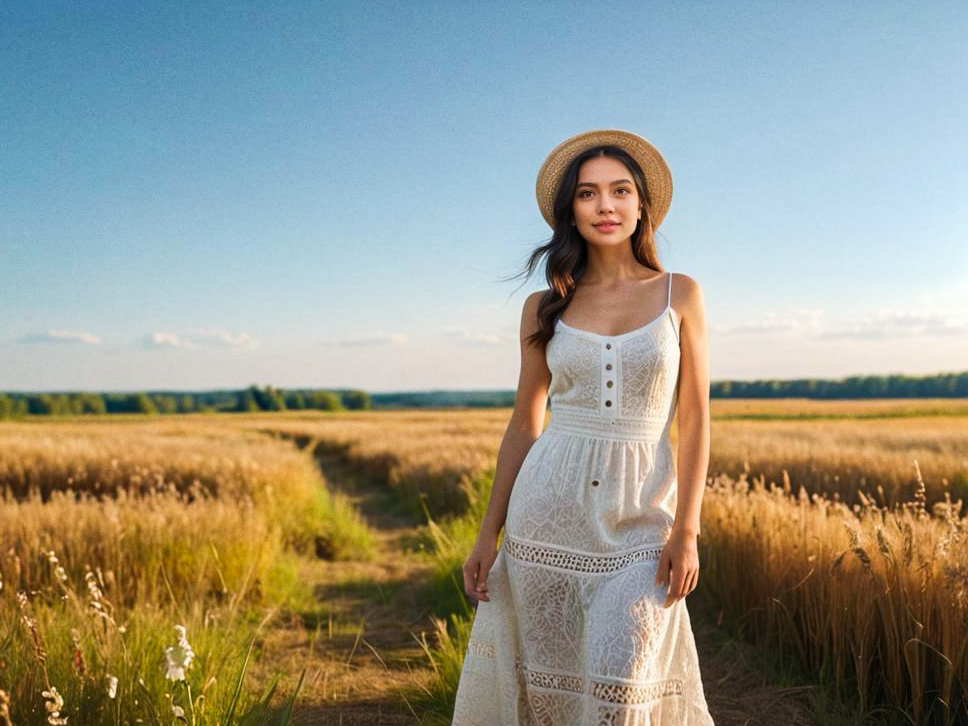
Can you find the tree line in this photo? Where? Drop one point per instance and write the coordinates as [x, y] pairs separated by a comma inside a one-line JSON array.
[[253, 398], [270, 398], [941, 385]]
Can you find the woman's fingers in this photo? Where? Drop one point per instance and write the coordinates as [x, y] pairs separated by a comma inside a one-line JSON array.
[[475, 586], [660, 575], [470, 578], [693, 581], [688, 584]]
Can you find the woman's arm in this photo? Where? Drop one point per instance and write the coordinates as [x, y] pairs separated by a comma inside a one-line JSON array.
[[693, 440], [527, 420], [525, 426], [679, 562]]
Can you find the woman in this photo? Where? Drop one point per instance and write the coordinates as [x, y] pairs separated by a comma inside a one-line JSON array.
[[581, 617]]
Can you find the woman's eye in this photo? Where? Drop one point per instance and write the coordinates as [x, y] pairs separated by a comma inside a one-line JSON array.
[[623, 189]]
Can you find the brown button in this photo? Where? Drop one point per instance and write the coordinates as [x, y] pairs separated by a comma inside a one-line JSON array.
[[608, 366], [595, 482], [608, 383], [608, 403], [608, 346]]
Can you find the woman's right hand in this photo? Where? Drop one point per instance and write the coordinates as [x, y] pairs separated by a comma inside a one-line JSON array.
[[478, 565]]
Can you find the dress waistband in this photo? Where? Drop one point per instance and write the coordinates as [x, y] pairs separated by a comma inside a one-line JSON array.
[[570, 421]]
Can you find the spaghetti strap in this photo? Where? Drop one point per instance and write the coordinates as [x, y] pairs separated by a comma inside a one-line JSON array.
[[669, 301]]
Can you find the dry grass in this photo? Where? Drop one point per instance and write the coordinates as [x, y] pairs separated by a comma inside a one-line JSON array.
[[431, 453], [840, 457], [168, 522], [189, 516], [873, 600]]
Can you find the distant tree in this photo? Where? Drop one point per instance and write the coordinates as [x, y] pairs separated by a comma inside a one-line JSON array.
[[141, 403], [41, 405], [326, 401], [357, 400], [92, 403], [248, 402], [295, 400], [165, 403]]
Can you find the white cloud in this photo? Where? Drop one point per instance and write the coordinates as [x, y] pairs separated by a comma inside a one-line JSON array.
[[370, 339], [62, 336], [885, 323], [165, 340], [225, 339], [473, 337], [205, 338]]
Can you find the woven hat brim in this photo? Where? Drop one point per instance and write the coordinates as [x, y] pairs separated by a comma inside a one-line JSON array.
[[658, 176]]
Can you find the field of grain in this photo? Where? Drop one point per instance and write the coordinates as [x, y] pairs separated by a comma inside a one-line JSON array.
[[833, 540]]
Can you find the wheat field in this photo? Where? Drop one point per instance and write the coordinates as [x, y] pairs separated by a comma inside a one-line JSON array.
[[141, 559]]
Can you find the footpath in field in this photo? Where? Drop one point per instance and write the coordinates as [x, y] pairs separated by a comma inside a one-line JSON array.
[[364, 650]]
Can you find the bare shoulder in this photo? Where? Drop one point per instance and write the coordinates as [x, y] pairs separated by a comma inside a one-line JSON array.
[[529, 312], [687, 296]]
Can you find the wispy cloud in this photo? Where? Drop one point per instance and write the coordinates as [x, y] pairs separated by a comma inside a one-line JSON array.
[[886, 323], [62, 336], [203, 339], [473, 337], [224, 339], [369, 339]]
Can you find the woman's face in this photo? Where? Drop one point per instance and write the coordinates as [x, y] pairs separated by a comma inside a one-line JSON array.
[[605, 192]]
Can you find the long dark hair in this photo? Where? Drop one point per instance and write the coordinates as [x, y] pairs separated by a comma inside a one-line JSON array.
[[567, 250]]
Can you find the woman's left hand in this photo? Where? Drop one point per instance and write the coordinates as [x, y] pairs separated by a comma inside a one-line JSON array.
[[679, 566]]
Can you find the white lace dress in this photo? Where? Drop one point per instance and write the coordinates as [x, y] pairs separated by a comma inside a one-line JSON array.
[[575, 632]]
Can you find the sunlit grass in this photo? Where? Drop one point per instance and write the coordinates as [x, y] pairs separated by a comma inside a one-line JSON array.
[[110, 537]]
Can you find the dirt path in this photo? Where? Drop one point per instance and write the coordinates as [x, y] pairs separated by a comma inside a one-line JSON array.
[[360, 648]]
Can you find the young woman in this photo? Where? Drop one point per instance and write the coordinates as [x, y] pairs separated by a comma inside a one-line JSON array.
[[581, 617]]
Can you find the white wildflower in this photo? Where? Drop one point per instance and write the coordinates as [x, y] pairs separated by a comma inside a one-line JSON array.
[[92, 587], [54, 704], [178, 711], [58, 570], [112, 686], [179, 657]]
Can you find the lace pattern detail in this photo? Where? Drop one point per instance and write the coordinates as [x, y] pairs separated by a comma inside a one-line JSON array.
[[636, 692], [556, 681], [576, 422], [623, 693], [650, 370], [575, 364], [481, 648], [578, 562]]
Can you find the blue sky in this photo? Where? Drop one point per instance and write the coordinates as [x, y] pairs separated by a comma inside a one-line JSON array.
[[199, 195]]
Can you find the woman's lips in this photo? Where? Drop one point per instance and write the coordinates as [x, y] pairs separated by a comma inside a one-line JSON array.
[[606, 227]]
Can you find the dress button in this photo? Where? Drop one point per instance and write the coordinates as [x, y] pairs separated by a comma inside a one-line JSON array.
[[608, 346], [608, 403], [595, 482], [608, 366], [608, 383]]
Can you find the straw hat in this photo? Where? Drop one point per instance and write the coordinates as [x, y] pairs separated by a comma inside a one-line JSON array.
[[658, 177]]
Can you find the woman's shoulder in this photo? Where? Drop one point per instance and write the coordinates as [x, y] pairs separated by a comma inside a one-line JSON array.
[[687, 295], [536, 297]]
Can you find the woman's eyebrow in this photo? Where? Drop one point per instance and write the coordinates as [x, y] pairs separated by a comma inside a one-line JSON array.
[[590, 184]]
